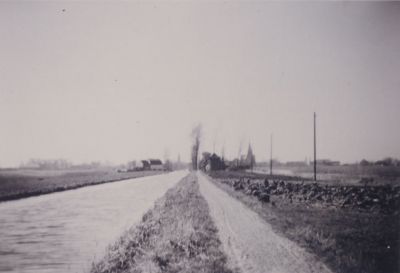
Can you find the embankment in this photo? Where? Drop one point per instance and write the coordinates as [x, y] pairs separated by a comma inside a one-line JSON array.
[[177, 235]]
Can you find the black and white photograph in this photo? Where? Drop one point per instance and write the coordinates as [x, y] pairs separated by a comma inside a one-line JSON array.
[[189, 136]]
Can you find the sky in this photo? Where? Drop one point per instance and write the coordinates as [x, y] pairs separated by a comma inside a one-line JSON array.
[[117, 81]]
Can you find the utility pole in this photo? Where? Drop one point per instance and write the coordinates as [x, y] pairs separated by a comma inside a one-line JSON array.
[[270, 160], [315, 148], [240, 153], [223, 152]]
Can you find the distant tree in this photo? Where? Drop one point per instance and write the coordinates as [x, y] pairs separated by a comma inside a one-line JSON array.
[[364, 163], [167, 162], [206, 155], [168, 165], [196, 136], [204, 161], [388, 161], [47, 164]]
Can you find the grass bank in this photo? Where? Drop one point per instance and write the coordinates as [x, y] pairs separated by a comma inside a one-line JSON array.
[[20, 183], [348, 241], [177, 235]]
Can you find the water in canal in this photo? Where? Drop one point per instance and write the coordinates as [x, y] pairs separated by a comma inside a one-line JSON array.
[[67, 231]]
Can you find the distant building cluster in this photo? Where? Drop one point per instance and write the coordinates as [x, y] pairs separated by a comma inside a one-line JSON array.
[[243, 162], [386, 162], [152, 165], [144, 165], [213, 162]]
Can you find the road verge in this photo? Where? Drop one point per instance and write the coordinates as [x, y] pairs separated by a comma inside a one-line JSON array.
[[346, 239]]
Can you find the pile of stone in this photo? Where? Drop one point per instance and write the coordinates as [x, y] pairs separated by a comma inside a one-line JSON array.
[[383, 199]]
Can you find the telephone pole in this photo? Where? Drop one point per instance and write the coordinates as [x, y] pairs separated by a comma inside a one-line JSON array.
[[315, 148], [270, 160]]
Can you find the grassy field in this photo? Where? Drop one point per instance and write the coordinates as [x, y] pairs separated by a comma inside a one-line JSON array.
[[344, 174], [348, 240], [20, 183], [177, 235]]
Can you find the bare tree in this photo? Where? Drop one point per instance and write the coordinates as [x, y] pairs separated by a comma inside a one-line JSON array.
[[196, 136]]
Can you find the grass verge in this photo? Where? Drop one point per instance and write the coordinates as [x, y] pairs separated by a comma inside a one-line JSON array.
[[347, 241], [177, 235]]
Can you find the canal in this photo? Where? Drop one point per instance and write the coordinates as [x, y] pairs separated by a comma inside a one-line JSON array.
[[67, 231]]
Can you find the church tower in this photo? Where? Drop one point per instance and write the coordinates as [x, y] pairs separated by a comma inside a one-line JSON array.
[[250, 158]]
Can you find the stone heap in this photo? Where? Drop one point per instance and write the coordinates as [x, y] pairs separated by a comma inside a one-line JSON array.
[[382, 199]]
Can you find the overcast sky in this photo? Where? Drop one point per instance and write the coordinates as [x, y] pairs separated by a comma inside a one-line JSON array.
[[119, 81]]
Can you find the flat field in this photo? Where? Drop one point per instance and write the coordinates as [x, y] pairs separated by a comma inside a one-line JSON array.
[[352, 229], [344, 174], [21, 183]]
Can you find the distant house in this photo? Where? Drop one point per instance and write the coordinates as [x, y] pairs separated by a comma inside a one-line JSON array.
[[211, 162], [156, 165]]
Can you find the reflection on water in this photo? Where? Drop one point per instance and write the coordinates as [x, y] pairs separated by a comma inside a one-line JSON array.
[[67, 231]]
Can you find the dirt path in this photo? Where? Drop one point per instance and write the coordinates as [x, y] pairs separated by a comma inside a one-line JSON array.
[[249, 242]]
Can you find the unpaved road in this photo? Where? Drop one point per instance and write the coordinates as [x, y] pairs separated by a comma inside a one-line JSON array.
[[249, 242]]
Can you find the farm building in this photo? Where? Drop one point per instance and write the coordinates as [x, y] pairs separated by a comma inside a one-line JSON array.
[[151, 164], [211, 162], [156, 165]]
